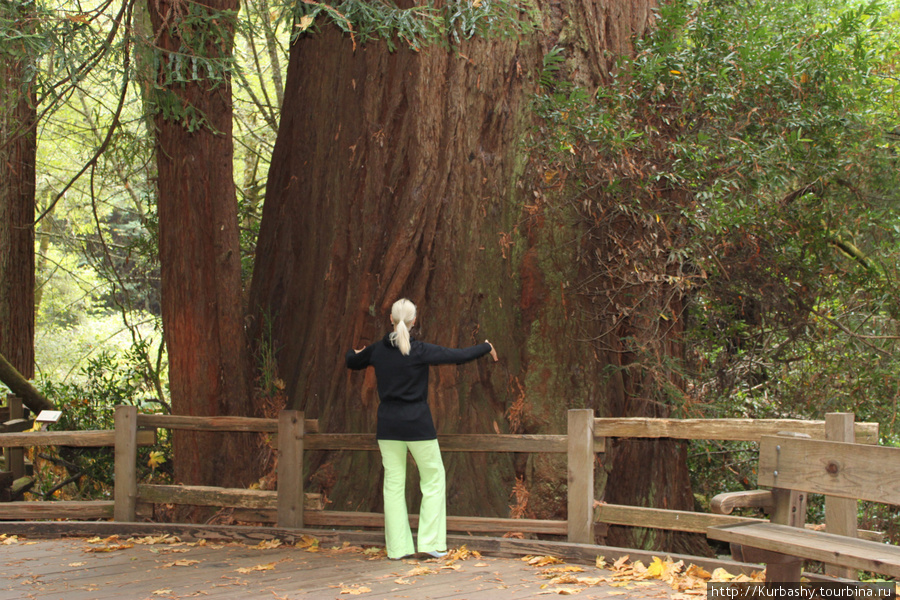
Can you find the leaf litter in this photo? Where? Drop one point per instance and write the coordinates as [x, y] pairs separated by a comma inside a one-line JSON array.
[[688, 582]]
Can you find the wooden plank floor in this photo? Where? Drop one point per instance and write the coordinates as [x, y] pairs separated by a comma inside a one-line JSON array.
[[115, 569]]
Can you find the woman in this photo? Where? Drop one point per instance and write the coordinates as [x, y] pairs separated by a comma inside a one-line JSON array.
[[405, 424]]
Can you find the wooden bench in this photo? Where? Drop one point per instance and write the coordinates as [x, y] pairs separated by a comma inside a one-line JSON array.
[[794, 467]]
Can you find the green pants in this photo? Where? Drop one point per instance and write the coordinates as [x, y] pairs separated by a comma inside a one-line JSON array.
[[432, 532]]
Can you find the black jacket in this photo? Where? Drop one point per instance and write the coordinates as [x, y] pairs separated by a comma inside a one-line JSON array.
[[403, 413]]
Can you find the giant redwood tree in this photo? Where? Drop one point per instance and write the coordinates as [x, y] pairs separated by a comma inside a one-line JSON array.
[[412, 173], [198, 234]]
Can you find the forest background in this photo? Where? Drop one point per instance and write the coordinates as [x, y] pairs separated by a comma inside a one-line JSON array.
[[687, 210]]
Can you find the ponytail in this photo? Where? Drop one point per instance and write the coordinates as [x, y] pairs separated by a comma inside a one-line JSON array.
[[403, 314]]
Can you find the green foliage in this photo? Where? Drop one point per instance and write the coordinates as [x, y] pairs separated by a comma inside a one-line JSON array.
[[89, 404], [419, 26], [738, 184]]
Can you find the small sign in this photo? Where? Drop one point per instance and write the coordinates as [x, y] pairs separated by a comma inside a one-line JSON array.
[[48, 416]]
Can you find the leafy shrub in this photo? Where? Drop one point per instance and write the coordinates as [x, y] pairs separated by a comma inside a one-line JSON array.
[[89, 403]]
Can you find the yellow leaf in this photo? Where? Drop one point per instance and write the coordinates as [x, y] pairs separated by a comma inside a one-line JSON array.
[[698, 572], [674, 72], [564, 569], [111, 548], [543, 561], [721, 574], [183, 562], [246, 570], [156, 458], [162, 592], [267, 544], [308, 542], [305, 22], [620, 563], [355, 591]]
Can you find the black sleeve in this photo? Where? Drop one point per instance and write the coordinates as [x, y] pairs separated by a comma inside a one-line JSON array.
[[438, 355], [358, 360]]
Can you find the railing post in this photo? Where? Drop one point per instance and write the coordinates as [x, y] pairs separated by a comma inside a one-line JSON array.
[[290, 469], [580, 518], [840, 513], [125, 463], [15, 457]]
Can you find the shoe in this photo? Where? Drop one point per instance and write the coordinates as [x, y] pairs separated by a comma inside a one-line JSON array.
[[404, 557], [436, 554]]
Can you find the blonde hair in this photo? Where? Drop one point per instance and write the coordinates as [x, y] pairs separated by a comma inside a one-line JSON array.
[[403, 314]]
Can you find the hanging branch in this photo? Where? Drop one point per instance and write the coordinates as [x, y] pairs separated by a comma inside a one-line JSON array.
[[109, 133]]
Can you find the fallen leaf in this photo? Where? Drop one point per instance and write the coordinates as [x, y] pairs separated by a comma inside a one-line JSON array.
[[77, 564], [698, 572], [267, 544], [156, 540], [563, 569], [355, 591], [181, 563], [721, 574], [162, 592], [542, 561], [246, 570], [309, 543], [111, 548]]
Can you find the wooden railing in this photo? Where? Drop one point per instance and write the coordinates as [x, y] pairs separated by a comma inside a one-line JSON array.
[[295, 435]]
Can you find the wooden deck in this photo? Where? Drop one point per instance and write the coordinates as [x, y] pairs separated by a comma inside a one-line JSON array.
[[152, 568]]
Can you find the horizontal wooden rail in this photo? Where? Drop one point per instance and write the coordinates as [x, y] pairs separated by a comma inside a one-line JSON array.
[[746, 430], [239, 424], [263, 505], [81, 439], [451, 442], [680, 520], [81, 510], [659, 518], [206, 496]]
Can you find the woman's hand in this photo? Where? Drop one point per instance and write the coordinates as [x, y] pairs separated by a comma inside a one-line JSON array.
[[493, 352]]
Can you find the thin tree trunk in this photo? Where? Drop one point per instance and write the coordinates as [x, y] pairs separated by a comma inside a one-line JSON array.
[[18, 152], [198, 238]]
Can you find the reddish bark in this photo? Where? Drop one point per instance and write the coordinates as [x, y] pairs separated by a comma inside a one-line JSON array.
[[409, 174], [199, 245], [17, 205]]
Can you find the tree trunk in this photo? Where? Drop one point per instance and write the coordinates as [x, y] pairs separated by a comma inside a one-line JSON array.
[[409, 174], [198, 238], [17, 206]]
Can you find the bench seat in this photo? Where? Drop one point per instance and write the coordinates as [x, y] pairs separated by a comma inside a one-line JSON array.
[[813, 545]]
